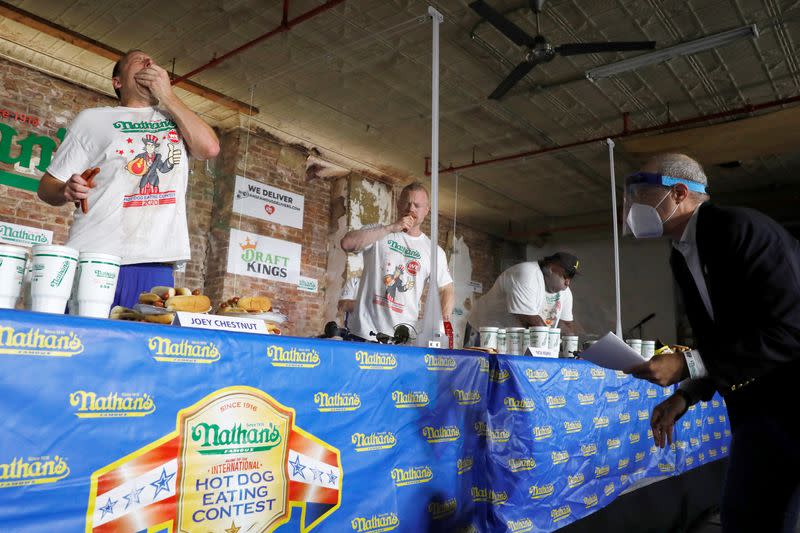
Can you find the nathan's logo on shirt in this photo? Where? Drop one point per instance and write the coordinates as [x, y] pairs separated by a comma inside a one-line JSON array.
[[686, 425], [440, 363], [714, 403], [499, 375], [536, 375], [538, 492], [406, 252], [555, 402], [624, 418], [464, 465], [641, 414], [710, 420], [522, 525], [586, 399], [600, 471], [542, 432], [613, 443], [623, 464], [259, 262], [575, 481], [34, 341], [712, 452], [612, 396], [521, 464], [152, 126], [608, 490], [689, 461], [633, 395], [441, 434], [666, 467], [519, 404], [376, 523], [653, 393], [573, 426], [330, 403], [439, 510], [470, 397], [559, 457], [570, 374], [717, 435], [633, 438], [701, 456], [588, 449], [590, 501], [703, 405], [600, 422], [368, 442], [621, 375], [165, 350], [483, 365], [293, 357], [216, 440], [498, 435], [33, 471], [126, 404], [724, 449], [694, 442], [560, 513], [410, 400], [727, 432], [376, 361], [411, 476], [639, 457], [480, 495], [649, 433], [704, 437], [598, 373], [721, 419], [481, 429]]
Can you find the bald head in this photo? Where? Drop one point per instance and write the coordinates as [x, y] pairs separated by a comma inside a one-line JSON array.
[[678, 166]]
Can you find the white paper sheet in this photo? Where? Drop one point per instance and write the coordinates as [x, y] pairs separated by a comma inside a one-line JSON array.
[[612, 352]]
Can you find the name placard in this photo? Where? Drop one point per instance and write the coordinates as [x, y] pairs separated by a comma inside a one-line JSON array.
[[542, 352], [224, 323]]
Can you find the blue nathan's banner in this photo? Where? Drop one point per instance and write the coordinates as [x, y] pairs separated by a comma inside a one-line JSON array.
[[127, 427]]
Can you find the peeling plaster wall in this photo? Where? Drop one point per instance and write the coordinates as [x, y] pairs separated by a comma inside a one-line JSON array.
[[460, 265], [336, 274]]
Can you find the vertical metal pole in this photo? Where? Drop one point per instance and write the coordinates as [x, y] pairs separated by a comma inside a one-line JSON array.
[[616, 234]]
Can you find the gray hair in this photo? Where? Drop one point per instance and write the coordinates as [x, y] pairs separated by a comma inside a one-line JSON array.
[[680, 166]]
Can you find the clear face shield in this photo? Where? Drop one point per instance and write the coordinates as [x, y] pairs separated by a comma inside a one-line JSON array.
[[644, 192]]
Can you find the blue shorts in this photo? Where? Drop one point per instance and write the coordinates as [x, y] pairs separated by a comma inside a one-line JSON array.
[[136, 279]]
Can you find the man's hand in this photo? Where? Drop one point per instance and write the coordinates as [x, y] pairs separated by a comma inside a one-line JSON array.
[[156, 80], [663, 419], [403, 224], [76, 188], [664, 369]]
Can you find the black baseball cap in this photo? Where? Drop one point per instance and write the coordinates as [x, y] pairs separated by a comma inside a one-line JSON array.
[[566, 260]]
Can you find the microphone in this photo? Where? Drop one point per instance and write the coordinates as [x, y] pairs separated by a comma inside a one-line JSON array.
[[401, 336], [332, 329]]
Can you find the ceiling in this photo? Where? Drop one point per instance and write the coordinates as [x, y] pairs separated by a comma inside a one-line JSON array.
[[355, 81]]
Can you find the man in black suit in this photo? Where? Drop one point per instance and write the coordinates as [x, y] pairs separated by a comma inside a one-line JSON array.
[[739, 275]]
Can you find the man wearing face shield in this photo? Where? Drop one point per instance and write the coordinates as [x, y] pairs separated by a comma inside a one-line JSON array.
[[727, 261], [526, 295]]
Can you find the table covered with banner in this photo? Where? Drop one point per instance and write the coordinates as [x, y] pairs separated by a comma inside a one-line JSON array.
[[127, 427]]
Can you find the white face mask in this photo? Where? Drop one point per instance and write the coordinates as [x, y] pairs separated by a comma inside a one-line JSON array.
[[644, 220]]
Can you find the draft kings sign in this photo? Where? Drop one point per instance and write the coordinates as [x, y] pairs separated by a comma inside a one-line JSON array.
[[236, 460], [263, 257]]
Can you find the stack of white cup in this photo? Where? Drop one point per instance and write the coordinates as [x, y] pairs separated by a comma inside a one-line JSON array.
[[53, 273], [488, 337], [635, 344], [12, 271], [554, 338], [516, 339], [569, 346], [648, 349], [539, 336], [96, 283]]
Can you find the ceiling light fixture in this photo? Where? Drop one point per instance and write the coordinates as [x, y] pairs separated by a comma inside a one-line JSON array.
[[682, 49]]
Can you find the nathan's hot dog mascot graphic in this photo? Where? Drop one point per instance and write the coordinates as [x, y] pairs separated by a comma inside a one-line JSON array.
[[394, 282], [149, 164]]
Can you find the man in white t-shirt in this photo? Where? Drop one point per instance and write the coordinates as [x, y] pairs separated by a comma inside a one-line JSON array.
[[397, 263], [137, 205], [526, 295]]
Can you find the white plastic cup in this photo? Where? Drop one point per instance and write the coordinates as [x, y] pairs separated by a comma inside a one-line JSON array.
[[502, 341], [488, 337], [648, 349], [53, 273], [636, 344], [12, 271], [515, 338], [97, 281], [554, 338], [569, 345], [539, 336]]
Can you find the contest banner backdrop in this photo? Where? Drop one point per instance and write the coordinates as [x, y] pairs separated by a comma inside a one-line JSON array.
[[130, 427]]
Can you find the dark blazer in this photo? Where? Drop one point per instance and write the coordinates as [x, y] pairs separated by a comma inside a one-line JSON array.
[[752, 269]]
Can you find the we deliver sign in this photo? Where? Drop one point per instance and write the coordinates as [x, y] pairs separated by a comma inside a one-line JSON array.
[[256, 199]]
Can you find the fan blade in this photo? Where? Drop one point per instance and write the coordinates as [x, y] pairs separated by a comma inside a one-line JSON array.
[[505, 26], [572, 49], [519, 72]]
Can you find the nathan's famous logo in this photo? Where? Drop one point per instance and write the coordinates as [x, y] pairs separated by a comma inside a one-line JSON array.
[[483, 365], [624, 478], [653, 393], [597, 373], [633, 438], [376, 360], [33, 341], [600, 422], [666, 467], [20, 472], [481, 429], [686, 425], [560, 513], [721, 419], [293, 357], [151, 126], [259, 262], [538, 492], [439, 510], [340, 401], [588, 449], [469, 397], [612, 396], [376, 523], [520, 464], [689, 461], [166, 350], [633, 394], [62, 271], [47, 145], [464, 465], [368, 442], [703, 405], [575, 481], [590, 501], [573, 426], [621, 375], [723, 449], [641, 414], [519, 404], [235, 462], [727, 432], [440, 363], [411, 476], [542, 432], [600, 471], [499, 375], [570, 374], [694, 442], [498, 435], [536, 375], [407, 252], [608, 490], [480, 495], [712, 452], [559, 457], [522, 525], [410, 400], [613, 443], [586, 399], [717, 435], [639, 457], [441, 434], [624, 418], [125, 404], [555, 402], [623, 463], [705, 437]]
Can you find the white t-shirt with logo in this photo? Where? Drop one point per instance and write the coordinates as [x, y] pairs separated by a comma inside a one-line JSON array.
[[520, 290], [396, 269], [137, 209]]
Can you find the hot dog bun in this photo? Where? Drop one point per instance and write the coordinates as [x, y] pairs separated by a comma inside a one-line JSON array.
[[166, 318], [191, 304], [255, 304]]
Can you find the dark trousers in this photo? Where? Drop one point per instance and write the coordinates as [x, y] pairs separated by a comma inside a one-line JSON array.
[[764, 468]]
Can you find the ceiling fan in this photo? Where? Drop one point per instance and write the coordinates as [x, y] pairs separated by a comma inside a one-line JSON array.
[[538, 50]]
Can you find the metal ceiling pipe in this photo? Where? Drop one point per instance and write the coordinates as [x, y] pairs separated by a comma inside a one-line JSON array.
[[285, 25], [624, 133]]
